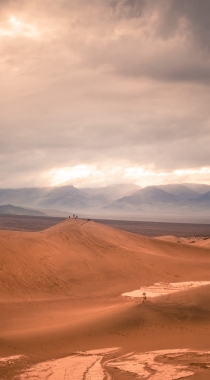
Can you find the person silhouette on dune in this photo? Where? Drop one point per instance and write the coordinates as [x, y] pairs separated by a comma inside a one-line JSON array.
[[144, 298]]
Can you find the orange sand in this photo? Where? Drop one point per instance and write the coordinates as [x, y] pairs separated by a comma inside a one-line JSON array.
[[60, 293]]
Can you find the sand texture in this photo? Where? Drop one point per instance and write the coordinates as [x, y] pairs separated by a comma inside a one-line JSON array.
[[63, 316]]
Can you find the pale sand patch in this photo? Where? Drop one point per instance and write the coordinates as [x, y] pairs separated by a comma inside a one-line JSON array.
[[82, 365], [161, 288], [101, 351], [73, 367], [10, 359], [152, 365], [147, 367]]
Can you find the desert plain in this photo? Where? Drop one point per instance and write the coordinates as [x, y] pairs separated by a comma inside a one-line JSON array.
[[72, 306]]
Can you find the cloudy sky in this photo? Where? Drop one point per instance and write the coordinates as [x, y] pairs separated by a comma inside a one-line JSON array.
[[97, 92]]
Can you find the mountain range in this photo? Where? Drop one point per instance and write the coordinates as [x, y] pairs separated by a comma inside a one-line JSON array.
[[65, 198], [15, 210], [175, 202]]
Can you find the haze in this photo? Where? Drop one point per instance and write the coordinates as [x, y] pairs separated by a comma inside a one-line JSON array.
[[99, 92]]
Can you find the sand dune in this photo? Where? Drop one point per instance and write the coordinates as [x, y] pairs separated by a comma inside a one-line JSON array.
[[60, 292], [197, 241], [204, 243], [80, 259]]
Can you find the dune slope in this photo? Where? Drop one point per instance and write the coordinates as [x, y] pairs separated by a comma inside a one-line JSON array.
[[60, 291], [79, 259]]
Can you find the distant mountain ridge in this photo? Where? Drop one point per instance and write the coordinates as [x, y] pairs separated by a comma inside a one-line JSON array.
[[112, 192], [15, 210], [165, 199], [149, 194], [198, 187], [65, 198], [119, 201], [182, 191]]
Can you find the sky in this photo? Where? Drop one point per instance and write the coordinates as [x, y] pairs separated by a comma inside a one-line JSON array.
[[104, 92]]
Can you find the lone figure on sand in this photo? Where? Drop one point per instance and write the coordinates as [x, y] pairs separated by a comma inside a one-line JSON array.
[[144, 298]]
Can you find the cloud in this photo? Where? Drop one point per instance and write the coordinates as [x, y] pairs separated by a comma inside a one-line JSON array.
[[127, 8], [193, 13], [107, 84]]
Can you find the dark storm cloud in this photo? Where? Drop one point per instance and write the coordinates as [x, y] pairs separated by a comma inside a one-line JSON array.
[[132, 57], [128, 8], [171, 14], [196, 15], [168, 41]]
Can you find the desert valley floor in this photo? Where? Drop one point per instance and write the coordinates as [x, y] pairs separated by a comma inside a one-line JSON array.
[[71, 299]]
